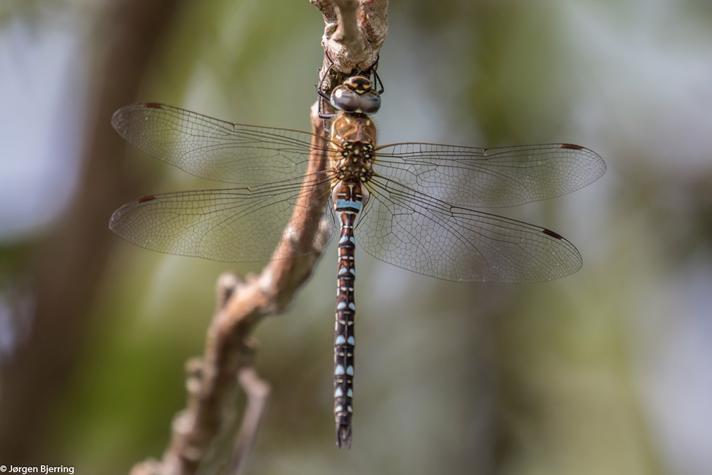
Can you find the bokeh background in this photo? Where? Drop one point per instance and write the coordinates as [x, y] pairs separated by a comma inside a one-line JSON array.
[[605, 372]]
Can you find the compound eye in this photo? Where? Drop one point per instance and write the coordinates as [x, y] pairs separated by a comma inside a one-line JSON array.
[[345, 99], [370, 102]]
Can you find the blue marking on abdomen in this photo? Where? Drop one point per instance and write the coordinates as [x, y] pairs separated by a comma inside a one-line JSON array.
[[348, 204]]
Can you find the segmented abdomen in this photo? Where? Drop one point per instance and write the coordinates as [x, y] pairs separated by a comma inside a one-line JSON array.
[[347, 204]]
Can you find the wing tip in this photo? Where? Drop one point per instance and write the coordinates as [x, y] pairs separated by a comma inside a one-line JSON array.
[[115, 219], [119, 215], [594, 159], [120, 116], [577, 148]]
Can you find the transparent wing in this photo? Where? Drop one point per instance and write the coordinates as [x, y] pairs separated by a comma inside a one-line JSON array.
[[495, 177], [247, 155], [420, 233], [234, 225]]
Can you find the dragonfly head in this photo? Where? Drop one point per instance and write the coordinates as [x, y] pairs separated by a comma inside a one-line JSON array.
[[359, 84], [356, 94]]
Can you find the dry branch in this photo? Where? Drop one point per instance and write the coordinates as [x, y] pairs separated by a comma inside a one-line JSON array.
[[257, 391], [353, 34], [212, 380], [354, 31]]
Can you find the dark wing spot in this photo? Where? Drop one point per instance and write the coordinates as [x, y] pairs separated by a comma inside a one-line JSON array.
[[146, 198], [553, 234], [571, 146], [153, 105]]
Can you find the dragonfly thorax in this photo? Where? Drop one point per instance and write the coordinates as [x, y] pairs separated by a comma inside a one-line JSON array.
[[353, 141], [354, 163]]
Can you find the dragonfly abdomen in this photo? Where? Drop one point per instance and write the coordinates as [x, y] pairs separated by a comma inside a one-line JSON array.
[[348, 202]]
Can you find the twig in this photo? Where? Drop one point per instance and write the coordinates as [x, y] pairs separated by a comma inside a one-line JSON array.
[[354, 31], [359, 29], [212, 379], [257, 391]]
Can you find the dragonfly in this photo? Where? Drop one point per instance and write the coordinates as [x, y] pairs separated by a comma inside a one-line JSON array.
[[423, 207]]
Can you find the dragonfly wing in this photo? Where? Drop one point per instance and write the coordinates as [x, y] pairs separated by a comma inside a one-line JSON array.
[[214, 149], [233, 225], [495, 177], [420, 233]]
